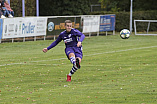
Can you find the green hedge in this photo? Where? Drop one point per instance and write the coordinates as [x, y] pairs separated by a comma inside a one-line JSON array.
[[30, 7], [123, 19]]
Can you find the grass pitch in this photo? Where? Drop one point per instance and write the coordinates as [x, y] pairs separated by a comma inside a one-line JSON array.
[[113, 70]]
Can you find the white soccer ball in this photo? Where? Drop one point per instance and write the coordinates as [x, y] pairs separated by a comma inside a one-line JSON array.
[[125, 34]]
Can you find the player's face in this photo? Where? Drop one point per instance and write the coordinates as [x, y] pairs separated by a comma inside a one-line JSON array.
[[68, 27]]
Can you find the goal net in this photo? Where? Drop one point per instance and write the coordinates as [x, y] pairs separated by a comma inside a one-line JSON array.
[[145, 27]]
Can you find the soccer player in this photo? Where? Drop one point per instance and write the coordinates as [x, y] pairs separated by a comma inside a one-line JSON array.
[[73, 41]]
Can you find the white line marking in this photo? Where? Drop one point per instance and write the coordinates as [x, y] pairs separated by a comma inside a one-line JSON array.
[[84, 55], [121, 50]]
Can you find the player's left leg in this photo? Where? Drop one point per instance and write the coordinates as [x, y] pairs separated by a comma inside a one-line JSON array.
[[75, 61], [76, 66], [78, 62], [79, 56]]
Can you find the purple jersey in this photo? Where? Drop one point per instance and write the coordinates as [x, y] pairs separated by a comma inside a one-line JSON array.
[[70, 39]]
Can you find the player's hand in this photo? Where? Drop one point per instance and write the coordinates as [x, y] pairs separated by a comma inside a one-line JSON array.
[[45, 50], [79, 44]]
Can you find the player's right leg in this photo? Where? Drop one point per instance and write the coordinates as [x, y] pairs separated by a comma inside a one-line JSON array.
[[71, 56], [75, 67], [73, 61]]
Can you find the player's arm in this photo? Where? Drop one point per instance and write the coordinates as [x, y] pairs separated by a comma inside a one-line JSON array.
[[82, 36], [52, 45]]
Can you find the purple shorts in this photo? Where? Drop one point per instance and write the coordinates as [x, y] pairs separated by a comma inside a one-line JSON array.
[[76, 50]]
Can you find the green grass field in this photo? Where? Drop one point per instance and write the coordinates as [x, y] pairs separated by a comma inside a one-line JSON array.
[[113, 70]]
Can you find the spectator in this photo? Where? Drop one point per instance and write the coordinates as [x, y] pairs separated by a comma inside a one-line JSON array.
[[7, 10], [1, 12]]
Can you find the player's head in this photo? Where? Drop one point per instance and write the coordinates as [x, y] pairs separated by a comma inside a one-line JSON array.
[[68, 25]]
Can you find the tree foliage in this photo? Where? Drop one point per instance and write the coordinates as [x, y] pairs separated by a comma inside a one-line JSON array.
[[114, 5], [124, 5], [64, 7], [30, 7], [78, 7]]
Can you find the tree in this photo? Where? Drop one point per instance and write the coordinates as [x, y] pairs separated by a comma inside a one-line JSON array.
[[64, 7], [145, 5], [30, 7], [124, 5], [115, 5]]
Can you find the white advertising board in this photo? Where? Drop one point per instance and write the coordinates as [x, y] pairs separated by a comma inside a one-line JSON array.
[[91, 23], [24, 27]]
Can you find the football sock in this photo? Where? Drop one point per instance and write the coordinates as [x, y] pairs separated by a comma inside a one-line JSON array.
[[70, 74], [73, 70], [72, 60]]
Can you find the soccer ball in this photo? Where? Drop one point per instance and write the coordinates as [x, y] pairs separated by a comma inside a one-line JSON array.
[[125, 34]]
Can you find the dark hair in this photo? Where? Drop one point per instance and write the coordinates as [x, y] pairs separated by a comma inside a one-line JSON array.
[[67, 21]]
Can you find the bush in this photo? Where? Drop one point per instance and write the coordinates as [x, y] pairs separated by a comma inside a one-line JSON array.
[[123, 19]]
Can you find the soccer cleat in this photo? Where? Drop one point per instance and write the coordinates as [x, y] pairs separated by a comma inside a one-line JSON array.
[[68, 78], [78, 63]]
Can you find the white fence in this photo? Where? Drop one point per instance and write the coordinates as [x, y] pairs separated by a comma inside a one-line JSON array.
[[91, 23], [24, 27], [21, 27]]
